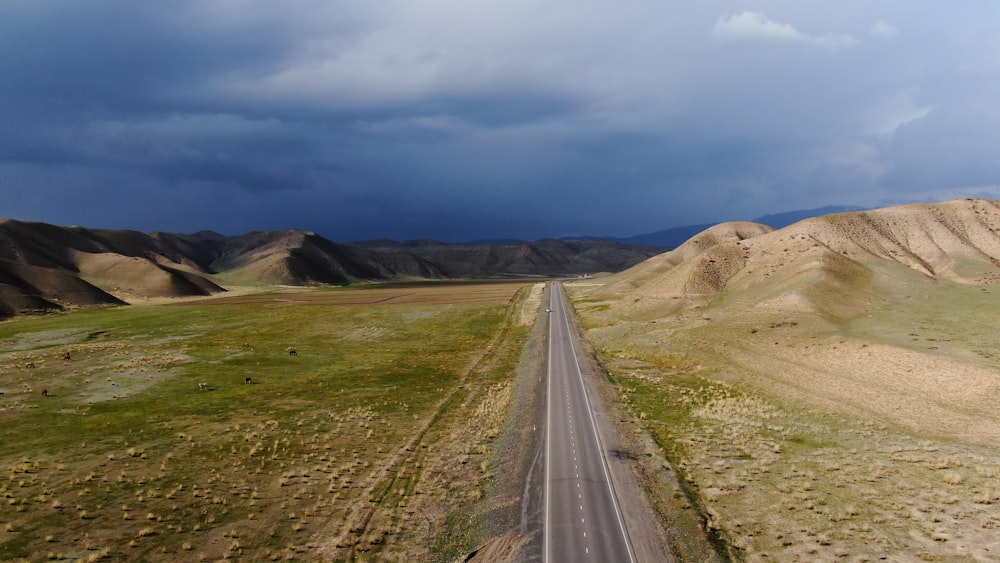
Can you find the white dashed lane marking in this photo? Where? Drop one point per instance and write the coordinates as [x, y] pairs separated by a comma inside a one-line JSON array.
[[558, 328]]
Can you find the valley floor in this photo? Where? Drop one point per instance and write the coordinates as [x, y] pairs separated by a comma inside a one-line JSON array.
[[328, 424]]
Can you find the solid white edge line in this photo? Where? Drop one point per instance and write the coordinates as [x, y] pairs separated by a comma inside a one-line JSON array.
[[597, 436], [548, 433]]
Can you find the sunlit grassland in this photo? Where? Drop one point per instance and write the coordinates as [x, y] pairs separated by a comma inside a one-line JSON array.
[[127, 458], [785, 476]]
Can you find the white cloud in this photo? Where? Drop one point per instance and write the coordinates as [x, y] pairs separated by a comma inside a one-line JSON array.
[[754, 27], [862, 157], [439, 48], [885, 117], [884, 31], [835, 42]]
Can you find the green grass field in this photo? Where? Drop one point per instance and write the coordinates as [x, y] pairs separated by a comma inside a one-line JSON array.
[[319, 457]]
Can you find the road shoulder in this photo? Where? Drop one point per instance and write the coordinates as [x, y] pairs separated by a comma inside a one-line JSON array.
[[674, 531]]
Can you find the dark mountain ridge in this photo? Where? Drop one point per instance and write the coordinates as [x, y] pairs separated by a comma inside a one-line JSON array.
[[46, 267]]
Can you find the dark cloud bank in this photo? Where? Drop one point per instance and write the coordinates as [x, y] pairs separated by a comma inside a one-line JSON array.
[[471, 120]]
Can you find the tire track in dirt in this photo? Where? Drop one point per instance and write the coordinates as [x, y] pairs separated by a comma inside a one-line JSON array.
[[363, 515]]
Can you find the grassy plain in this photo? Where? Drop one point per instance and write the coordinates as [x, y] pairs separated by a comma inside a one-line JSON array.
[[372, 442], [803, 437]]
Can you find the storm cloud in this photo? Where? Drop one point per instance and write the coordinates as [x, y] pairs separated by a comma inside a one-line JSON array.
[[474, 119]]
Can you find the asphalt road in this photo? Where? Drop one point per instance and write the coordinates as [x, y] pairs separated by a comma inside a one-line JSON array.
[[582, 521]]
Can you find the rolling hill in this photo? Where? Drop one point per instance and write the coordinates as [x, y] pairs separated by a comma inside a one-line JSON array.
[[825, 263], [843, 370]]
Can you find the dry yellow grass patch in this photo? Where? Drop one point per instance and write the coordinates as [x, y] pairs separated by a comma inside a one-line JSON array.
[[529, 306]]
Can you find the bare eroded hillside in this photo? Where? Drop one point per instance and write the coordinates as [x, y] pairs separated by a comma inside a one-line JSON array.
[[842, 372]]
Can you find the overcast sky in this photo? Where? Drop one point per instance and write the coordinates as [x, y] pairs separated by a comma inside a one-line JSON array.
[[474, 119]]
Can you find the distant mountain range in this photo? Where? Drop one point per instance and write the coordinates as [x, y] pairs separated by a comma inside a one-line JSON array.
[[46, 267], [674, 237]]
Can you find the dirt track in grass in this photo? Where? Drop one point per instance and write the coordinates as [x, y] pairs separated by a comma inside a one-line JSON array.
[[374, 442]]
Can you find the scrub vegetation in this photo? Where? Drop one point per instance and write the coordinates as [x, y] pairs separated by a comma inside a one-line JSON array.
[[802, 439], [825, 392], [322, 424]]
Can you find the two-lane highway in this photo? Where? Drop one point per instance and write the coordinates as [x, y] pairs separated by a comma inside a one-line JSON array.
[[583, 521]]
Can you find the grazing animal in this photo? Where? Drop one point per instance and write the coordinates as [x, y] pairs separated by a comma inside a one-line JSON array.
[[293, 353], [203, 386], [246, 381], [66, 357], [247, 346], [1, 393], [45, 392], [30, 365]]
